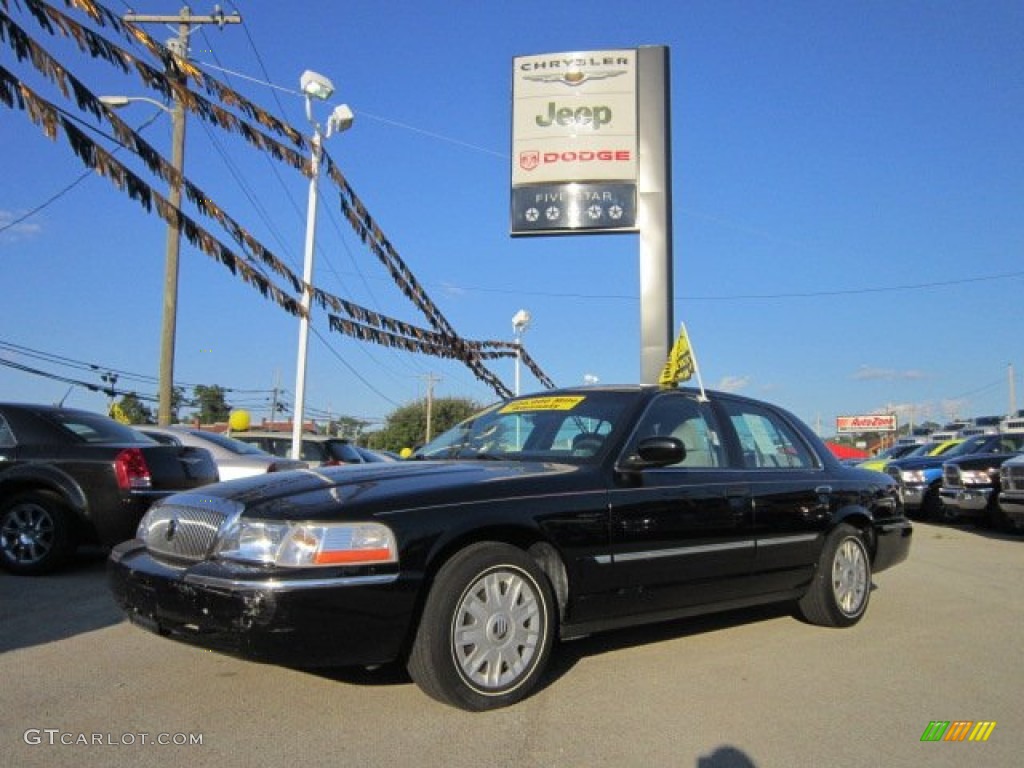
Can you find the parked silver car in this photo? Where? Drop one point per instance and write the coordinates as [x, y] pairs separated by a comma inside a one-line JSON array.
[[233, 457], [316, 450]]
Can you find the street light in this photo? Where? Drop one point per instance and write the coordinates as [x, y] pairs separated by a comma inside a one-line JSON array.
[[172, 249], [314, 86], [520, 322]]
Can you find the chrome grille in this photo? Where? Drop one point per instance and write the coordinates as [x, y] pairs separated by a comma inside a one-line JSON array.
[[951, 476], [185, 528], [1013, 477]]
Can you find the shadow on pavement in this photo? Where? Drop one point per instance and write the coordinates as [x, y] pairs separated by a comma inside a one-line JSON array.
[[41, 609]]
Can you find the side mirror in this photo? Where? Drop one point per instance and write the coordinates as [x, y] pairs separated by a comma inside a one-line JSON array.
[[656, 452]]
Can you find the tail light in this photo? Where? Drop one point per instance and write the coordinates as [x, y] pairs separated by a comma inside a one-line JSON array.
[[131, 470]]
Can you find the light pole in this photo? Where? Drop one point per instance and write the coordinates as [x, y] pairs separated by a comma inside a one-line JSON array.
[[313, 86], [172, 249], [520, 322]]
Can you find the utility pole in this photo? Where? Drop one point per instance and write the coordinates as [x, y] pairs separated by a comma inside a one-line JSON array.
[[179, 47], [1013, 391], [431, 379]]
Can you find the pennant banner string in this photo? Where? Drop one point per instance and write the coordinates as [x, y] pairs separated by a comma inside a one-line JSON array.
[[171, 61], [44, 114]]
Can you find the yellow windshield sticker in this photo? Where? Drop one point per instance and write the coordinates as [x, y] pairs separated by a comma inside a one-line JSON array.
[[563, 403]]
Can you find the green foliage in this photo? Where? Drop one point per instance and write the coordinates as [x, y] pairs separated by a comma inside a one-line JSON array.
[[134, 411], [407, 426], [213, 406]]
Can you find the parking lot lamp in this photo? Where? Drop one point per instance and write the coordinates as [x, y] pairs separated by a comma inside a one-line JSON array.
[[314, 86], [520, 322]]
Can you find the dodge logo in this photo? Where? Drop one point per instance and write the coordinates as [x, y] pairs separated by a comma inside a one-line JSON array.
[[172, 528], [529, 160]]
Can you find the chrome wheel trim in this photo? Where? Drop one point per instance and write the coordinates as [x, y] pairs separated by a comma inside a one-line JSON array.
[[850, 576], [498, 630], [27, 534]]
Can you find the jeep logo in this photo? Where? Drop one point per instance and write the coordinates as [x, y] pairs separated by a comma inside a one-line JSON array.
[[579, 117]]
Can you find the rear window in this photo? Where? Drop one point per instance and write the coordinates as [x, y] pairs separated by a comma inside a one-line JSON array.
[[95, 429]]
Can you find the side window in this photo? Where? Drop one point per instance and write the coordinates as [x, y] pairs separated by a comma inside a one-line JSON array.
[[766, 440], [6, 436], [684, 418]]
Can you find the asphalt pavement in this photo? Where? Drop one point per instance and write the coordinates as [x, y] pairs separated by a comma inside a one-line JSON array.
[[943, 640]]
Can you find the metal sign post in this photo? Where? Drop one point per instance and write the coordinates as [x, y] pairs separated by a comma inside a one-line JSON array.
[[654, 211]]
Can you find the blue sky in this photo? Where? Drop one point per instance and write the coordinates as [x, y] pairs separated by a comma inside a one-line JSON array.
[[848, 196]]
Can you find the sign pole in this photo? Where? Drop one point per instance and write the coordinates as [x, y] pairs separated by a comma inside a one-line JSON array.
[[654, 210]]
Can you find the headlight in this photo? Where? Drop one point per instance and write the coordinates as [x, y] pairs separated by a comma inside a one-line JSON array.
[[300, 545], [913, 476], [975, 477]]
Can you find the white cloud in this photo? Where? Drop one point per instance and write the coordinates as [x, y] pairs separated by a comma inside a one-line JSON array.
[[733, 383], [451, 290], [10, 231], [869, 373]]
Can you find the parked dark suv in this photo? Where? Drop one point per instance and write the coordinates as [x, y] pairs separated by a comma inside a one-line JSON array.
[[69, 476]]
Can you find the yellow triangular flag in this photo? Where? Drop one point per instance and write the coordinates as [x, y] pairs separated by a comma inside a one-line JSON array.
[[680, 365]]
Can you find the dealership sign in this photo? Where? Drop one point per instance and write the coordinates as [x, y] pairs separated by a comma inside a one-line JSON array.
[[885, 422], [574, 142]]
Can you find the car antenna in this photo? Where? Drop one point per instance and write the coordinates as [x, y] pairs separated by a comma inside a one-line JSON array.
[[61, 403]]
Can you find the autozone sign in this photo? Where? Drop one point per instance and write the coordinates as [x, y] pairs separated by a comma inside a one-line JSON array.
[[874, 422]]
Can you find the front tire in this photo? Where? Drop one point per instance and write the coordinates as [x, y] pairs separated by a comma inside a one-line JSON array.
[[839, 592], [487, 629], [36, 533]]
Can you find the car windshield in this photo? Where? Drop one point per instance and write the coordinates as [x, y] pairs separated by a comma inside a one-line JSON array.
[[967, 447], [536, 428]]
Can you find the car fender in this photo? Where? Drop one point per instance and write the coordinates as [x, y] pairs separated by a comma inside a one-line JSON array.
[[26, 477]]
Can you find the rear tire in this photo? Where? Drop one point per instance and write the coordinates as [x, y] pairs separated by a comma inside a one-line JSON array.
[[487, 629], [839, 592], [36, 533]]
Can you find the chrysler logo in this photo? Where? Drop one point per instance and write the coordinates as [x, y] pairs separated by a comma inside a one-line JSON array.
[[574, 77]]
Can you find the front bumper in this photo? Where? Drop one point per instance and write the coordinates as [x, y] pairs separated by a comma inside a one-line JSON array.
[[913, 495], [966, 502], [306, 621], [892, 544], [1012, 505]]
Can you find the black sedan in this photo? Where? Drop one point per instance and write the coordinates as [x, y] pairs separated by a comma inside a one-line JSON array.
[[543, 517], [69, 476]]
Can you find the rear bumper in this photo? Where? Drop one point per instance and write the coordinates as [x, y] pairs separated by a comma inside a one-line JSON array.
[[247, 612], [892, 544]]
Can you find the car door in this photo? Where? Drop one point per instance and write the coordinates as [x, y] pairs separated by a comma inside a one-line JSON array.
[[790, 491], [681, 535]]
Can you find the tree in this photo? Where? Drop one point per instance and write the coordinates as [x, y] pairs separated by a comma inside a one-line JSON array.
[[133, 411], [407, 426], [212, 405]]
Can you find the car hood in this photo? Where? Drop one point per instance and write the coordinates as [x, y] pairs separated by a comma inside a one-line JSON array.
[[368, 489], [924, 462]]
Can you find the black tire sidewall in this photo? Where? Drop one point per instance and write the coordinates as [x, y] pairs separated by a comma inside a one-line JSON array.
[[63, 539], [819, 605], [433, 663]]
